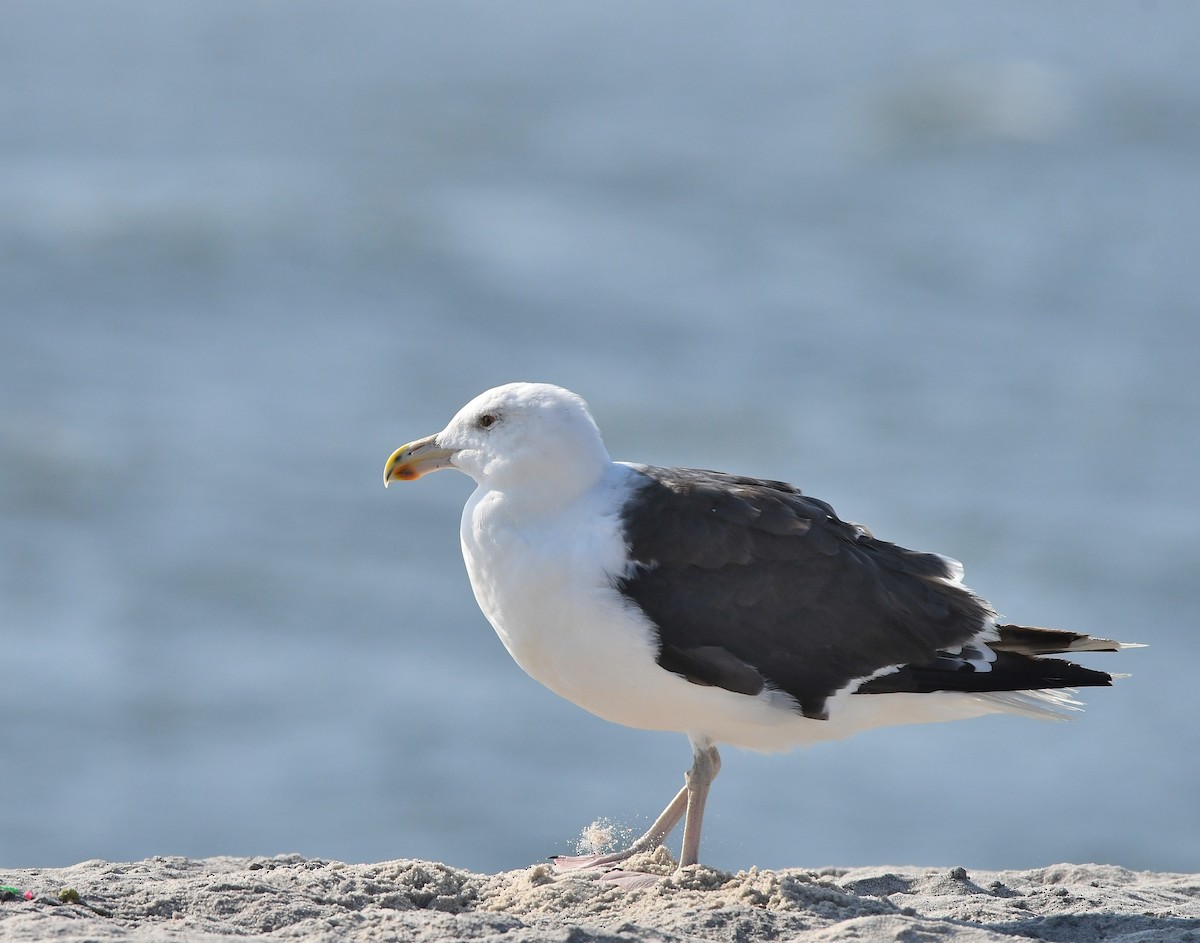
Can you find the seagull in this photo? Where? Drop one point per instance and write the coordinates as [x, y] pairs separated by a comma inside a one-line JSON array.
[[734, 610]]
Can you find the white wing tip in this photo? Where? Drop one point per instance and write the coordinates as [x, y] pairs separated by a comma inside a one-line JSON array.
[[1092, 644]]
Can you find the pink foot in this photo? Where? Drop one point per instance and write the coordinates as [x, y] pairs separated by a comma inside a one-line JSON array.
[[587, 862]]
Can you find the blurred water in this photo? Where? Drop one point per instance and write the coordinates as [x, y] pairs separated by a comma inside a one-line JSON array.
[[935, 262]]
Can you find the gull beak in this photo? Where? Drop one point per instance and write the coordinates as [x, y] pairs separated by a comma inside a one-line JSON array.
[[411, 461]]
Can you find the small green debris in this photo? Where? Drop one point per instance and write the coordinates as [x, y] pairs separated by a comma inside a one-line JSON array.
[[68, 895]]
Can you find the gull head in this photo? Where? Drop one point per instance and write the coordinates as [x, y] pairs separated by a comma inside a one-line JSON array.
[[532, 437]]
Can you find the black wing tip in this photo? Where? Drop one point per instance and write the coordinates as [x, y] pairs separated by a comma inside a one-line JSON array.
[[1011, 671]]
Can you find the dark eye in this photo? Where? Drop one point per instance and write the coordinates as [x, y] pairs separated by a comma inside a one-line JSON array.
[[487, 420]]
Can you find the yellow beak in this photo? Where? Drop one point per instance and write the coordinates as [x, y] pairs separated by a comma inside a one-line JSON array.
[[411, 461]]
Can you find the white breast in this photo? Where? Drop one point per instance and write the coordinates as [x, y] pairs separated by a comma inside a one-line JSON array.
[[545, 582]]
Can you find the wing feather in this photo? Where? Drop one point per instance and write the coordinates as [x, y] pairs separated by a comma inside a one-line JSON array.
[[781, 585]]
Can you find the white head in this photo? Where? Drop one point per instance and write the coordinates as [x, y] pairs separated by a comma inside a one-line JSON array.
[[522, 436]]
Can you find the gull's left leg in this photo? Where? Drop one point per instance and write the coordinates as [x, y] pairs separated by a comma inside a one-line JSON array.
[[704, 770]]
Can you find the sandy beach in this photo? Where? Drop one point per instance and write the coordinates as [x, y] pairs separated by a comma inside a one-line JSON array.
[[295, 898]]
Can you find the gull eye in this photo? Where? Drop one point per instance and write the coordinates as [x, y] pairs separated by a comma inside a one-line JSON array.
[[487, 420]]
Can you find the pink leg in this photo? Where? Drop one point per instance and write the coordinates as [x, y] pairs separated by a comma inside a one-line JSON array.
[[688, 804], [704, 770]]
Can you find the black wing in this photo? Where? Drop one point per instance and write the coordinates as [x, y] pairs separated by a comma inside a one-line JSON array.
[[751, 583]]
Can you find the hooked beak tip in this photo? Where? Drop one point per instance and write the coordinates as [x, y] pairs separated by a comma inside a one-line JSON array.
[[411, 461]]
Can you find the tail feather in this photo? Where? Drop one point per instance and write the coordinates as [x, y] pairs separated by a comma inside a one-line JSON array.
[[1052, 704]]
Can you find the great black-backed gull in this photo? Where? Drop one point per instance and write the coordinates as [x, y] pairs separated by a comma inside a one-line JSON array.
[[734, 610]]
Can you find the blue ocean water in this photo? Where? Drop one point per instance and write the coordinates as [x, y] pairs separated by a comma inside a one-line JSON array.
[[933, 262]]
